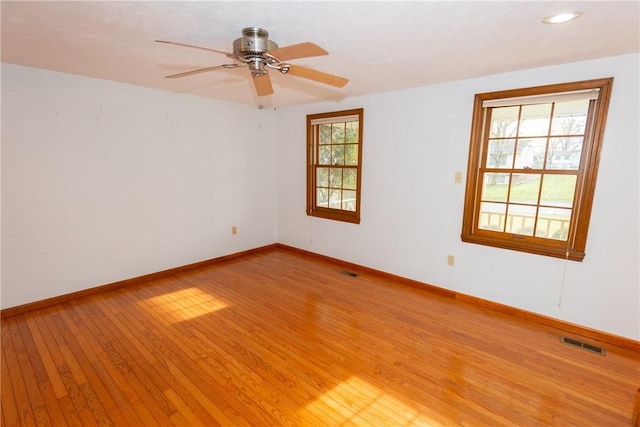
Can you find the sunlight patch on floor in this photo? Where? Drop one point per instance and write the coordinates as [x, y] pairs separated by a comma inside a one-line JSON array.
[[184, 304], [355, 401]]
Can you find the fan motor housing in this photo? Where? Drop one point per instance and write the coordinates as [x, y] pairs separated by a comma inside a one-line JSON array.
[[254, 41]]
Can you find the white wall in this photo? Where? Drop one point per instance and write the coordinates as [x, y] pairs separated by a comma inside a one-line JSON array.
[[104, 181], [414, 142]]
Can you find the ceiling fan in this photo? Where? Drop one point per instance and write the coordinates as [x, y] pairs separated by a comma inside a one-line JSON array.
[[255, 51]]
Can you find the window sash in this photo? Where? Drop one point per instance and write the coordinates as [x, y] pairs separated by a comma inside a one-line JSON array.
[[511, 171]]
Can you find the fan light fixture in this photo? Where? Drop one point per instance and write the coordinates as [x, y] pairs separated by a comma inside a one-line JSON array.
[[562, 18], [255, 51]]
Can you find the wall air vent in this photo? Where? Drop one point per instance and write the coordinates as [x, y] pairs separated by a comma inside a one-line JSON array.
[[349, 273], [592, 348]]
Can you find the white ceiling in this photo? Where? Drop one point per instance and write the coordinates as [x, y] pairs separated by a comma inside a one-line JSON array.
[[380, 46]]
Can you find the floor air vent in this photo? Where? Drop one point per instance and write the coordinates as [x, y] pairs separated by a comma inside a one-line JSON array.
[[592, 348], [349, 273]]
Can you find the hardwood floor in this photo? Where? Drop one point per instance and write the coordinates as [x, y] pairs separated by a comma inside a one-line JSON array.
[[279, 338]]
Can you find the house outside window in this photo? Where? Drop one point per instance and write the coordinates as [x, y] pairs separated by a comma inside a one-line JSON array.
[[334, 165], [532, 169]]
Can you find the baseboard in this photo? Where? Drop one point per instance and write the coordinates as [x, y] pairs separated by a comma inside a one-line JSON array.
[[20, 309], [393, 277], [567, 327]]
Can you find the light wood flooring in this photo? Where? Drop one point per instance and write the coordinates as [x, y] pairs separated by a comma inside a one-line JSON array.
[[280, 338]]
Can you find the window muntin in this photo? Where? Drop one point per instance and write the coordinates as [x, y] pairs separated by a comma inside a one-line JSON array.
[[334, 157], [532, 167]]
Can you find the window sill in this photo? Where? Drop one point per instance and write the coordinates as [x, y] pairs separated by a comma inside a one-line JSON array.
[[334, 215], [526, 244]]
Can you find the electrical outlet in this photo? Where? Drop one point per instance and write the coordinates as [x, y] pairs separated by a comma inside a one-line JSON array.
[[234, 230], [458, 178], [451, 260]]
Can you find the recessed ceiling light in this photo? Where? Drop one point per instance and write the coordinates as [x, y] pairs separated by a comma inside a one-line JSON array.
[[561, 18]]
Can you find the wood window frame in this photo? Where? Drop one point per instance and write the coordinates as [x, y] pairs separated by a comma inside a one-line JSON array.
[[312, 164], [574, 247]]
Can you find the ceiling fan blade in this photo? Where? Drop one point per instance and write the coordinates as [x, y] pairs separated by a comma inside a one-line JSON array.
[[201, 70], [296, 51], [319, 76], [263, 85], [195, 47]]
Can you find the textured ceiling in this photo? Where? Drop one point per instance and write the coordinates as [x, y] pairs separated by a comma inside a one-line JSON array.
[[380, 46]]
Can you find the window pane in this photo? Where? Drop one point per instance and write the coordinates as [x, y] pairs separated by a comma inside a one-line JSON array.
[[323, 177], [337, 154], [325, 134], [335, 180], [564, 153], [349, 200], [569, 118], [558, 190], [535, 120], [504, 122], [500, 154], [492, 216], [335, 197], [351, 155], [553, 223], [521, 219], [324, 155], [322, 198], [349, 178], [352, 133], [495, 186], [530, 153], [338, 133], [524, 188]]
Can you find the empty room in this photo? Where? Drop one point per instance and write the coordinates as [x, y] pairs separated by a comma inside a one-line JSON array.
[[320, 213]]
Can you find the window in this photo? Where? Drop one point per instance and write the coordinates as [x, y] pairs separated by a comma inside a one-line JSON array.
[[533, 161], [334, 165]]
